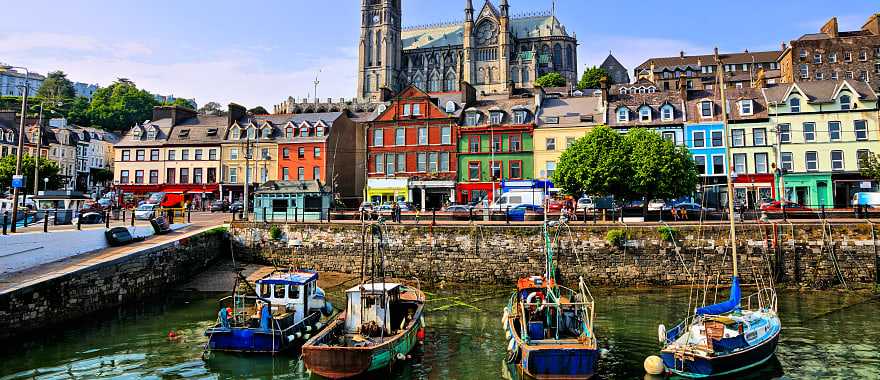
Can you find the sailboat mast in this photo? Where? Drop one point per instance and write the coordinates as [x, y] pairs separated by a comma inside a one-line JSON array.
[[728, 158]]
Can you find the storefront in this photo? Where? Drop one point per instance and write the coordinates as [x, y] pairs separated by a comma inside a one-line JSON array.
[[847, 184], [431, 195], [382, 190], [752, 190], [810, 190], [477, 191]]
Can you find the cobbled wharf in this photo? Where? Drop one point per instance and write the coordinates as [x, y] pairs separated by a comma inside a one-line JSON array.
[[814, 256]]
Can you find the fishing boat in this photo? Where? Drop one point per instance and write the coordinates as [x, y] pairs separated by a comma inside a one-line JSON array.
[[725, 338], [280, 311], [549, 327], [382, 323]]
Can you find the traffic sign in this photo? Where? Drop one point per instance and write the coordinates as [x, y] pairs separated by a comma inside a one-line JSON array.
[[17, 181]]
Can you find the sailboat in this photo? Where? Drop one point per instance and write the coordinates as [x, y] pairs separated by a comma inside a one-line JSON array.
[[724, 338], [549, 327]]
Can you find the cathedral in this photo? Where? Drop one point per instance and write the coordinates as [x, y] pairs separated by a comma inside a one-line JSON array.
[[490, 50]]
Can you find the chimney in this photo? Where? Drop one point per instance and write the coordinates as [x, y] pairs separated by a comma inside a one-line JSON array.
[[873, 24], [236, 112], [603, 86], [681, 54], [716, 51], [747, 51], [830, 28], [784, 46]]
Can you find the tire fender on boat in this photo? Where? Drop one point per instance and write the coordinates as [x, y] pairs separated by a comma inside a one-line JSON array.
[[661, 333], [504, 317]]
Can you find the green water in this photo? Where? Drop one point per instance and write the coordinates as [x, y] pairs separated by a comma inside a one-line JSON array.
[[823, 337]]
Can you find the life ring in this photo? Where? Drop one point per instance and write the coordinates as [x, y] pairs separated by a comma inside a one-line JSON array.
[[661, 333], [532, 297]]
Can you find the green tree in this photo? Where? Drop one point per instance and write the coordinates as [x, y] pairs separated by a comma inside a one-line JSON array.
[[56, 86], [212, 108], [78, 112], [48, 169], [258, 110], [660, 169], [552, 79], [596, 164], [102, 175], [180, 102], [869, 166], [592, 77], [120, 105]]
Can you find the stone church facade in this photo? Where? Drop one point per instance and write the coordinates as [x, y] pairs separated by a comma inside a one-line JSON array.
[[490, 50]]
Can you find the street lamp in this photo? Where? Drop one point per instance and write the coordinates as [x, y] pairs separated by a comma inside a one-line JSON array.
[[18, 155], [39, 145], [45, 183]]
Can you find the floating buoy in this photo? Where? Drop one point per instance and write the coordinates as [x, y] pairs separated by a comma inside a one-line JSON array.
[[172, 334], [420, 335], [290, 338], [654, 365], [401, 356], [661, 333]]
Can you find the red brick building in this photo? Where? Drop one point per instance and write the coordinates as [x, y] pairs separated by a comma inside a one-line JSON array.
[[412, 149]]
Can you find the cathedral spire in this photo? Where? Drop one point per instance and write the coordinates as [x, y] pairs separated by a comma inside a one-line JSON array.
[[468, 10], [504, 8]]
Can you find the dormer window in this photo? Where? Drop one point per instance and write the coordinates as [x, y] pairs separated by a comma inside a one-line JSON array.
[[151, 133], [745, 107], [184, 134], [450, 107], [472, 118], [622, 115], [845, 102], [10, 136], [319, 131], [496, 118], [706, 108], [667, 113], [303, 131], [645, 114], [416, 109], [519, 117], [251, 133], [266, 133], [136, 132], [623, 91], [652, 90], [794, 104], [288, 132], [406, 110]]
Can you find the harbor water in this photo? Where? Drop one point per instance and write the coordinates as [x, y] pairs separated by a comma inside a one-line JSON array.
[[825, 336]]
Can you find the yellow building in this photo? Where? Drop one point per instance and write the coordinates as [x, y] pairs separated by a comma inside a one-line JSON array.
[[824, 128], [561, 121], [250, 153]]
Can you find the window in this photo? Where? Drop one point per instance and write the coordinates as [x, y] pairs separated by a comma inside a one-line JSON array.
[[700, 162], [794, 104], [834, 75], [433, 163], [422, 162], [717, 165], [378, 136], [787, 161], [304, 131], [316, 173], [706, 108], [759, 137], [407, 110], [416, 109], [739, 138], [233, 153], [138, 176], [495, 117], [669, 136], [861, 127], [515, 142], [645, 114], [379, 161], [848, 75], [761, 166], [123, 176], [285, 153], [474, 170], [861, 156], [389, 164], [444, 162], [832, 58], [803, 54], [197, 175], [877, 68], [316, 152], [666, 113], [834, 130], [140, 153], [184, 154], [784, 133], [845, 102], [551, 168], [717, 138], [319, 131], [446, 135], [550, 143], [251, 133], [805, 71], [495, 170], [739, 163], [154, 177], [266, 133], [154, 154], [847, 56], [423, 136], [515, 169], [170, 175], [288, 133], [198, 155], [519, 117], [699, 139], [473, 144], [301, 173], [836, 160], [622, 115], [235, 134], [212, 154], [497, 143], [472, 119], [184, 175], [233, 175], [400, 136], [863, 55], [745, 107], [820, 76], [809, 131], [285, 174], [401, 162], [301, 153], [126, 155], [817, 58], [811, 161]]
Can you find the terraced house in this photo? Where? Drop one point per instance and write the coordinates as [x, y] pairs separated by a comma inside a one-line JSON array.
[[495, 146], [562, 119], [644, 105], [824, 129], [250, 153]]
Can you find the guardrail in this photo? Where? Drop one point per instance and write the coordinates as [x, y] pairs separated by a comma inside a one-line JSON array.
[[52, 218]]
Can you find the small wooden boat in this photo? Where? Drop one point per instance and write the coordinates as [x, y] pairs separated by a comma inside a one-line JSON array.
[[382, 324], [286, 310], [549, 327]]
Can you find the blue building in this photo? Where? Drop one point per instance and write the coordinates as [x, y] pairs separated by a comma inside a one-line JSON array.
[[292, 201]]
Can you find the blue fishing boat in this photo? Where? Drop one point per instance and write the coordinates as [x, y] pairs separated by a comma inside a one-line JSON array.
[[282, 310], [549, 327]]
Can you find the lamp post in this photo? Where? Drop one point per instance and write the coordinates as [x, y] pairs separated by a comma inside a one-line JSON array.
[[18, 156], [45, 183]]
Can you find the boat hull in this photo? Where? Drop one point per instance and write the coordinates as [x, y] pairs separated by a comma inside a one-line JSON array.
[[703, 367], [565, 362], [259, 341]]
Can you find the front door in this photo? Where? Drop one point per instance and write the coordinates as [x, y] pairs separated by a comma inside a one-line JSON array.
[[822, 196], [802, 195]]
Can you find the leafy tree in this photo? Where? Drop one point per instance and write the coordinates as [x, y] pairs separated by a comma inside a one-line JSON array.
[[48, 168], [120, 106], [592, 77], [180, 102], [102, 175], [78, 112], [552, 79], [212, 108], [596, 164], [869, 166], [660, 169], [258, 110], [56, 86]]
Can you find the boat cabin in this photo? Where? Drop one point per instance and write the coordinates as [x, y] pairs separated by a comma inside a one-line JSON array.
[[289, 292], [372, 306]]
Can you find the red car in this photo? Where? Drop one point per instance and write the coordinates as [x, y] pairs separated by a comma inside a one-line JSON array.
[[553, 205], [789, 206]]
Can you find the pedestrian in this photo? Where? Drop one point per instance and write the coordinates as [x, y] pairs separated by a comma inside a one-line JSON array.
[[684, 213], [418, 215], [674, 213], [395, 213]]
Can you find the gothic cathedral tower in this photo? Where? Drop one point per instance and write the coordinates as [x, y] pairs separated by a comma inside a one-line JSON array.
[[380, 49]]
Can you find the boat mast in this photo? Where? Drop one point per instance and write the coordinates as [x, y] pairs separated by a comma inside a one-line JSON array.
[[727, 154]]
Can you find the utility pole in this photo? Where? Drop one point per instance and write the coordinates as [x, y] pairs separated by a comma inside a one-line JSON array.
[[39, 147], [19, 153]]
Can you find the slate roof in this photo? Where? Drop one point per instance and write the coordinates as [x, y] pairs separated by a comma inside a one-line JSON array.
[[734, 96], [438, 36], [691, 60], [820, 91], [504, 104], [572, 111], [655, 100], [617, 73], [200, 130]]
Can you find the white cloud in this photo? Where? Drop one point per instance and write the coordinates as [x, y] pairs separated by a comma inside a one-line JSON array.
[[632, 51]]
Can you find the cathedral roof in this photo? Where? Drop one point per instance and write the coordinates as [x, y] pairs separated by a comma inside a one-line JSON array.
[[442, 35]]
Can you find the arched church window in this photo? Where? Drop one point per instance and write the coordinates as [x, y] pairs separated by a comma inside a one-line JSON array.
[[525, 75], [557, 55], [569, 57], [378, 48], [434, 83], [368, 48], [450, 82]]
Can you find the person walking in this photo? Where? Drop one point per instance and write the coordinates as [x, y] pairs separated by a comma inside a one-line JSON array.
[[395, 212]]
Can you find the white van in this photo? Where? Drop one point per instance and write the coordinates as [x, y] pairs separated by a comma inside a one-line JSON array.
[[515, 198], [869, 199]]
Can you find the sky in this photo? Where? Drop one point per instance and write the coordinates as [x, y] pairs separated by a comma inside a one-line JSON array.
[[260, 52]]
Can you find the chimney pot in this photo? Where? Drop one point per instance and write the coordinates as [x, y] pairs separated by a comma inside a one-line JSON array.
[[784, 46], [681, 54]]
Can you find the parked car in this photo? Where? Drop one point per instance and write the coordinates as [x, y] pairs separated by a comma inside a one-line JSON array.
[[585, 203], [459, 209], [366, 207], [105, 202], [789, 206], [146, 211], [385, 209], [219, 207], [554, 205], [89, 218], [92, 207], [866, 199], [519, 212], [689, 206], [515, 198], [656, 205], [236, 206]]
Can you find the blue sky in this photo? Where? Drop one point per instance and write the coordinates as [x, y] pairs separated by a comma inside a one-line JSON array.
[[261, 52]]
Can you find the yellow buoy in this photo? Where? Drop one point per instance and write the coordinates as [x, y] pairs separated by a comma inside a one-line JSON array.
[[654, 365]]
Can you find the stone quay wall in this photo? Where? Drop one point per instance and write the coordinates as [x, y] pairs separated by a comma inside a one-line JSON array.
[[815, 256], [130, 278]]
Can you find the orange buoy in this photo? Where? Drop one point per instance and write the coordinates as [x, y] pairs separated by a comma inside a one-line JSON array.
[[420, 335]]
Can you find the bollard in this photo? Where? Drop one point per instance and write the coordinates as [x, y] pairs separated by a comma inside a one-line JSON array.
[[132, 217], [79, 223], [123, 215], [170, 216], [189, 216], [295, 215], [507, 215], [823, 211], [434, 217], [470, 214], [45, 221], [784, 213], [25, 219], [264, 215], [5, 221], [585, 215], [107, 220], [328, 215]]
